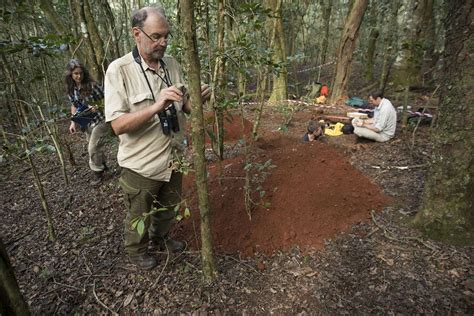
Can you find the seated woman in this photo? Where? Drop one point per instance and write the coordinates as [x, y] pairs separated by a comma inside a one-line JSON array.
[[83, 90]]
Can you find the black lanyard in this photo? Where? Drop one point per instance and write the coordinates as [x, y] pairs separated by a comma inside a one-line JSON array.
[[166, 79]]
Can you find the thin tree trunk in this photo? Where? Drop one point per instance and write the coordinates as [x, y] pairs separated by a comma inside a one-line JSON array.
[[11, 299], [218, 79], [193, 69], [57, 145], [346, 49], [53, 17], [373, 36], [327, 7], [390, 30], [15, 92], [94, 66], [95, 40], [447, 211], [40, 189], [280, 80], [429, 34], [261, 87], [111, 25]]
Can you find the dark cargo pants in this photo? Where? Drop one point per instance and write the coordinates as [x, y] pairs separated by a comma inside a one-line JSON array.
[[140, 194]]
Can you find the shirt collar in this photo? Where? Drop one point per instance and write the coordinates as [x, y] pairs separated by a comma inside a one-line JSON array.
[[146, 67]]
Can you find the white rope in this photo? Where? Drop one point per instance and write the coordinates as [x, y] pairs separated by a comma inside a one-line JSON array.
[[312, 68], [294, 102]]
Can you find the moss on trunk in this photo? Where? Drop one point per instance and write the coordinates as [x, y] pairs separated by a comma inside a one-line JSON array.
[[447, 211]]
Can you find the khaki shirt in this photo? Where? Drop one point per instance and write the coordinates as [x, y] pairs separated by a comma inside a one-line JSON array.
[[147, 150]]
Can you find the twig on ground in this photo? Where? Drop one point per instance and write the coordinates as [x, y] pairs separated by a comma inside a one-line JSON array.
[[376, 229], [19, 238], [163, 269], [389, 235], [87, 267], [90, 240], [68, 286], [100, 302], [400, 167], [243, 263]]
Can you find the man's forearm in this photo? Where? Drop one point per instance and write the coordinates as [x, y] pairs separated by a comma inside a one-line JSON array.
[[371, 127], [130, 122]]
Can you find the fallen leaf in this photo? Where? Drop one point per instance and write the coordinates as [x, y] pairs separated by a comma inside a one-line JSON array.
[[128, 299]]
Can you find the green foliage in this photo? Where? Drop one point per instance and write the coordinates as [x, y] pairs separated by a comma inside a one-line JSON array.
[[258, 172], [50, 45], [46, 274], [287, 110], [181, 210]]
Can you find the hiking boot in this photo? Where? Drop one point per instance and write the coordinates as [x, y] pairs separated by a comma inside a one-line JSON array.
[[98, 177], [171, 245], [143, 261]]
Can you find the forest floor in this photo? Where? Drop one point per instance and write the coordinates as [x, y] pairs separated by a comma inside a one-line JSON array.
[[334, 236]]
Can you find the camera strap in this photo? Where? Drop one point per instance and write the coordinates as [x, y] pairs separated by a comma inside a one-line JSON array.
[[166, 79]]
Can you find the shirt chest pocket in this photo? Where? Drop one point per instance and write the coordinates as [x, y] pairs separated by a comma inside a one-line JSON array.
[[140, 101]]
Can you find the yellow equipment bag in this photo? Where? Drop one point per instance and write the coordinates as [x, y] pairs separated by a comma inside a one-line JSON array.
[[334, 129]]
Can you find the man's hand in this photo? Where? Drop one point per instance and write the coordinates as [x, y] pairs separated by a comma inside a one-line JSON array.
[[359, 123], [166, 97], [130, 122], [72, 128], [205, 92]]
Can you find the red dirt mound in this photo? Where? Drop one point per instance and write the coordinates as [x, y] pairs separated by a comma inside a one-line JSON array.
[[233, 129], [314, 194]]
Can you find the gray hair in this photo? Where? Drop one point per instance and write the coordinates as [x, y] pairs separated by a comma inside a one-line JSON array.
[[139, 16]]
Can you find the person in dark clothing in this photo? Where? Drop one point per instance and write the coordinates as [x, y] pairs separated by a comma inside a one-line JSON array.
[[313, 132]]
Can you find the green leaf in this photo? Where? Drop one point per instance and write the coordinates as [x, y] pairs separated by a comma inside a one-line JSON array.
[[179, 217], [187, 212], [141, 226], [135, 222], [176, 207]]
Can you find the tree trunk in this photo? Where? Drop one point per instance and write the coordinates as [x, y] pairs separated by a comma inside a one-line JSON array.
[[52, 16], [346, 49], [325, 38], [429, 34], [447, 211], [407, 69], [218, 79], [11, 299], [112, 27], [93, 64], [373, 36], [95, 40], [390, 31], [280, 80], [193, 69]]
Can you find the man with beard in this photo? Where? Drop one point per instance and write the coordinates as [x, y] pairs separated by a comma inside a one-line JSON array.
[[381, 127], [144, 102]]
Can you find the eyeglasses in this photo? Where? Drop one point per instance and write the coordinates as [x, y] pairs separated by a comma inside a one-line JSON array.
[[155, 37]]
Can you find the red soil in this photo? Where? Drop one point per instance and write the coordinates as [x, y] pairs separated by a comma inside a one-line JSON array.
[[233, 127], [314, 194]]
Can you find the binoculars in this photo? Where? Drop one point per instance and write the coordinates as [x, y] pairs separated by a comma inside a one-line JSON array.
[[169, 117], [169, 120]]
